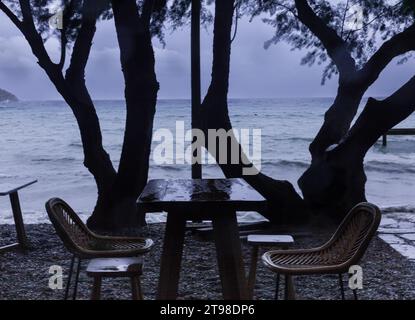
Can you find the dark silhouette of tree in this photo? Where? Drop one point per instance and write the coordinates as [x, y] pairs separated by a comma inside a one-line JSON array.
[[335, 180], [358, 39], [283, 200], [117, 189]]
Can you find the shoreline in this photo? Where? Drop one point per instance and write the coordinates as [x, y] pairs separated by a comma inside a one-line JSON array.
[[387, 274]]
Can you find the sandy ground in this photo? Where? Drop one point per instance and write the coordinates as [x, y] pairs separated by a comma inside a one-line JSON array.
[[387, 274]]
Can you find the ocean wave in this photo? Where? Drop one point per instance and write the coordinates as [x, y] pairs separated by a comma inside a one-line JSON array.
[[286, 163], [271, 163], [76, 144], [169, 167], [289, 139], [7, 176], [406, 209], [402, 146], [370, 166], [388, 167], [64, 159], [373, 165]]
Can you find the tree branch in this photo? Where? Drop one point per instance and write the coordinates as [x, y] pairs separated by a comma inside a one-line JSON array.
[[27, 12], [336, 47], [33, 37], [378, 117], [148, 7], [62, 59], [11, 15], [399, 44], [344, 17], [83, 43], [64, 41]]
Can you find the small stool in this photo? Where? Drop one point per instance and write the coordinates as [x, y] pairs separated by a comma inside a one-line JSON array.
[[116, 268], [258, 240]]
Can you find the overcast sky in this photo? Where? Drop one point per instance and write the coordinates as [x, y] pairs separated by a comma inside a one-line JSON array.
[[255, 72]]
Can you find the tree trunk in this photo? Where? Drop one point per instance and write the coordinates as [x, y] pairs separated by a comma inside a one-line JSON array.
[[141, 87], [341, 178], [73, 90], [284, 204], [316, 183], [117, 192]]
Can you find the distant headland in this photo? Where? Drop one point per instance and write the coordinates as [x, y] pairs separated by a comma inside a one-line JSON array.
[[6, 96]]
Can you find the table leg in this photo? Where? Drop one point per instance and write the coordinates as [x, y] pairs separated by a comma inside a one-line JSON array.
[[171, 257], [18, 220], [228, 249]]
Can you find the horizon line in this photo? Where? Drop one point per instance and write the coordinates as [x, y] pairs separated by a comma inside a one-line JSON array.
[[164, 98]]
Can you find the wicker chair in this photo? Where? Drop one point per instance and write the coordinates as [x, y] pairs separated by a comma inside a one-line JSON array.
[[343, 250], [84, 244]]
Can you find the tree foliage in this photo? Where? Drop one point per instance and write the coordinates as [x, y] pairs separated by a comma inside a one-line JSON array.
[[43, 10], [362, 24]]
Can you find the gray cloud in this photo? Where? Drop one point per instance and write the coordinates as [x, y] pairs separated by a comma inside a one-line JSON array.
[[255, 72]]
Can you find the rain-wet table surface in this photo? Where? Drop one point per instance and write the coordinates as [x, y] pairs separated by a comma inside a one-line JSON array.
[[200, 194]]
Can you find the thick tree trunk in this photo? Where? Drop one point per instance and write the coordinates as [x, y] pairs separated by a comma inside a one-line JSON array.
[[285, 205], [214, 110], [96, 159], [341, 178], [141, 87], [73, 89], [117, 192], [316, 182]]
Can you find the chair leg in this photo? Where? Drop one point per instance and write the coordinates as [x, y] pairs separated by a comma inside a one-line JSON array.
[[252, 271], [286, 287], [341, 286], [96, 289], [277, 286], [68, 282], [78, 268], [135, 288], [289, 288], [355, 294], [140, 289]]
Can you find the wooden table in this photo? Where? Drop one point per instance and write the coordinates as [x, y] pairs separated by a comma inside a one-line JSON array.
[[13, 193], [202, 199]]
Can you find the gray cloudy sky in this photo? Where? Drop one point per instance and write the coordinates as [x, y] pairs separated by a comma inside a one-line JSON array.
[[255, 72]]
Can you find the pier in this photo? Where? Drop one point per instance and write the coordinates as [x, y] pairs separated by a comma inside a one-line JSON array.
[[397, 132]]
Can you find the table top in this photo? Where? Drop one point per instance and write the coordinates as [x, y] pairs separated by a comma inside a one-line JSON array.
[[6, 189], [200, 194]]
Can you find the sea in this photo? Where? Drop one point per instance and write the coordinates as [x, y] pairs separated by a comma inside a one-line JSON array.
[[40, 140]]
